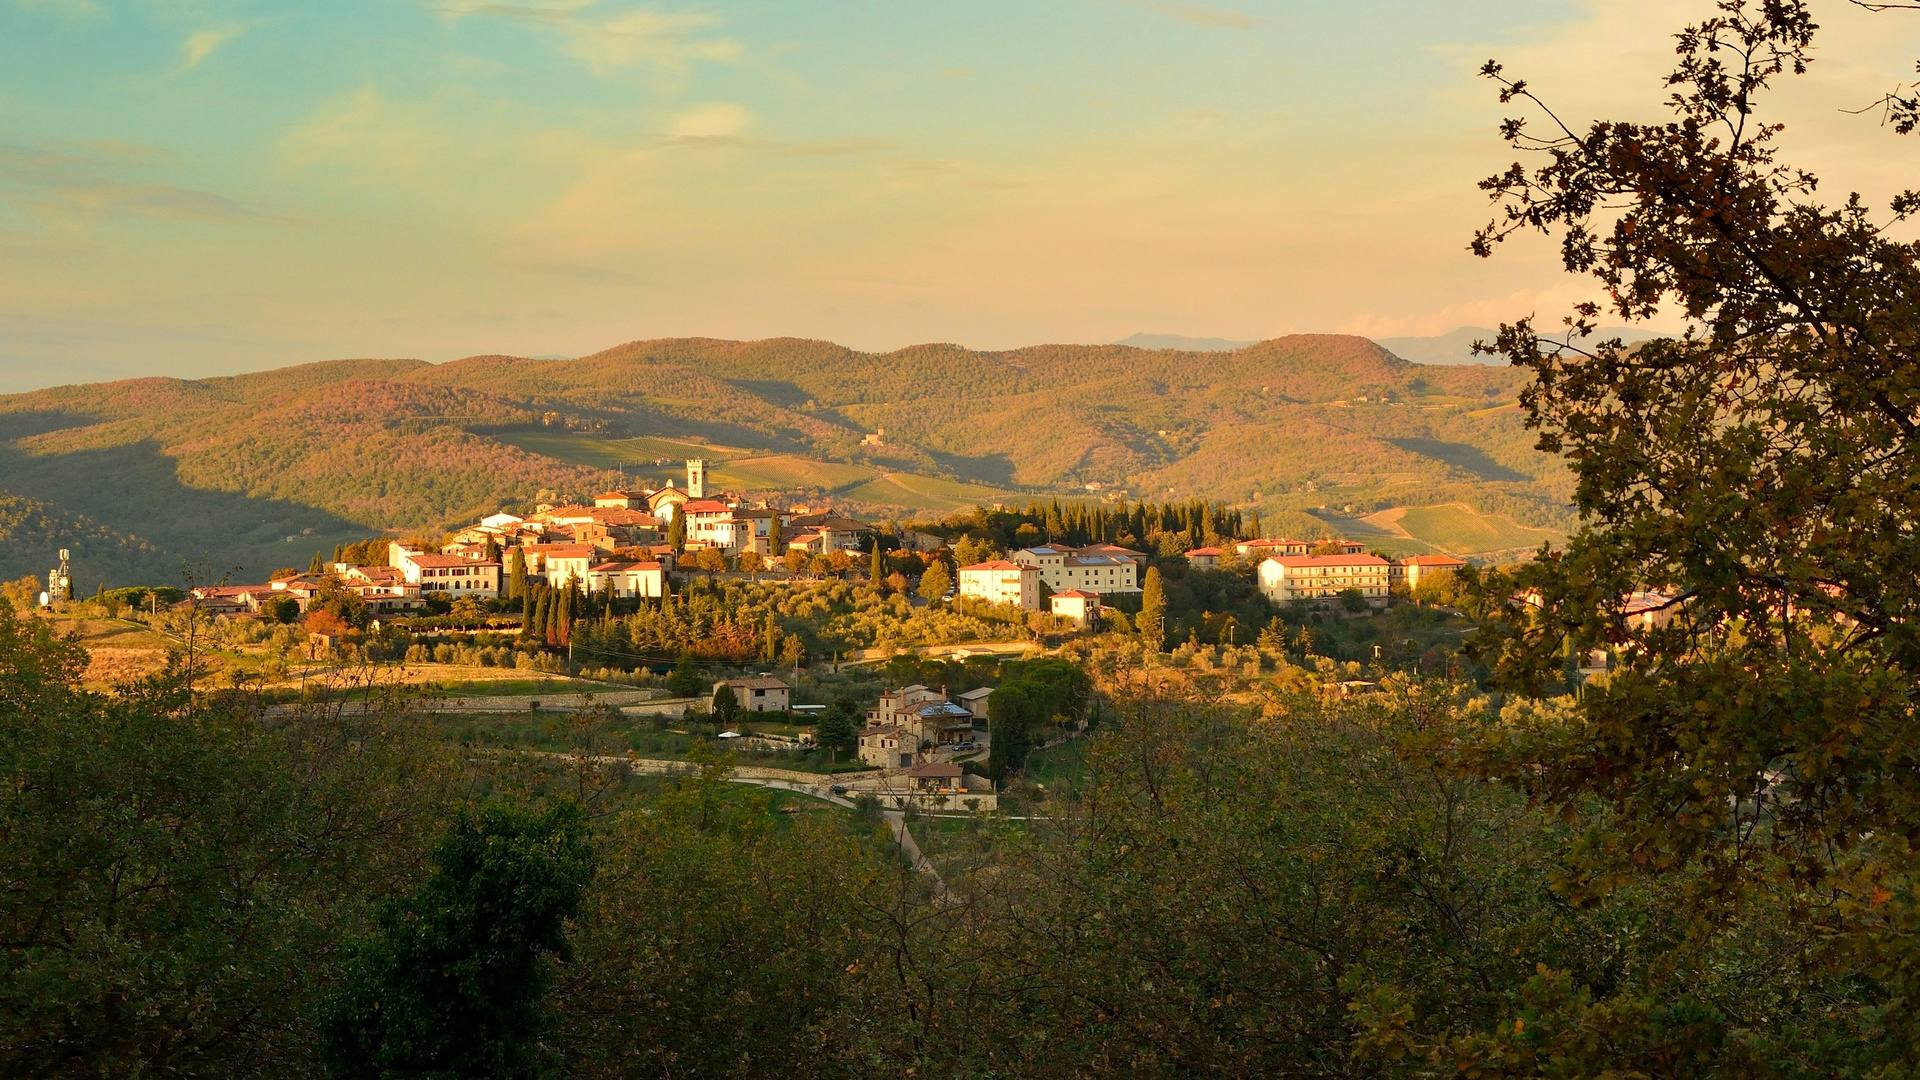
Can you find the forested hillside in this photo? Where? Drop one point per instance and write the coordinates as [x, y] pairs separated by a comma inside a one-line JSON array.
[[1316, 431]]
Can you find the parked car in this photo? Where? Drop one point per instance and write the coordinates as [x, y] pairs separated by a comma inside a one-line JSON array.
[[838, 789]]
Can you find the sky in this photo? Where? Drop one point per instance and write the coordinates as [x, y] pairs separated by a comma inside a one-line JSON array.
[[197, 187]]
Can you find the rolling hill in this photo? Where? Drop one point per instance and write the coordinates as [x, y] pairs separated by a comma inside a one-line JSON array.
[[261, 470]]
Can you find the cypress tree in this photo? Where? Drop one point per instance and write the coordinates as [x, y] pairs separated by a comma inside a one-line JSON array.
[[542, 604], [318, 565], [677, 533], [1153, 610], [517, 574], [879, 570]]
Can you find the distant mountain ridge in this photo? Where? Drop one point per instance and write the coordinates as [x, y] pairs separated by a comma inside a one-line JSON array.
[[1189, 344], [232, 467], [1456, 346]]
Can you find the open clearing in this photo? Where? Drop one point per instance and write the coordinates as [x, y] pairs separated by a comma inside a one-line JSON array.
[[789, 471], [915, 492], [1458, 529]]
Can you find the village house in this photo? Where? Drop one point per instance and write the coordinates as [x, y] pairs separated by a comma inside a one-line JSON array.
[[559, 563], [1206, 558], [384, 588], [1115, 551], [1266, 547], [835, 533], [811, 543], [223, 599], [914, 540], [1322, 578], [622, 500], [925, 717], [1072, 568], [710, 522], [1081, 606], [887, 747], [1413, 569], [458, 575], [975, 701], [1002, 582], [763, 694], [625, 578], [936, 777]]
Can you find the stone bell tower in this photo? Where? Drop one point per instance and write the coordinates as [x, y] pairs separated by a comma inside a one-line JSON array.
[[696, 478]]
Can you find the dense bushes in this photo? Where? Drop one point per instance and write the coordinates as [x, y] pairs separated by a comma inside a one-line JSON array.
[[177, 878]]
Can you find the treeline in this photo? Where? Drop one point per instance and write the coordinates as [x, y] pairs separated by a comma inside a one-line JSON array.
[[703, 621], [1138, 525]]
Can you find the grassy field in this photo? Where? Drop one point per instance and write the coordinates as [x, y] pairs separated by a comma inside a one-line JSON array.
[[1057, 766], [789, 471], [1458, 529], [915, 492]]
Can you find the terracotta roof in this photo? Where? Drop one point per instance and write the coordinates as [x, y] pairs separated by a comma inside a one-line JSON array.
[[1431, 560], [1328, 560], [207, 591], [617, 516], [1075, 594], [1208, 552], [936, 770], [447, 560], [996, 564], [757, 684], [562, 551], [611, 567], [706, 506], [1112, 549]]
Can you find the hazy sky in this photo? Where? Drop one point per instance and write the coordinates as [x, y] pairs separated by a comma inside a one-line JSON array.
[[191, 187]]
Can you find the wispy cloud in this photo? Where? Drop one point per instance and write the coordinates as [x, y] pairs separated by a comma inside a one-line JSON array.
[[606, 39], [713, 121], [88, 182], [1199, 16], [201, 44]]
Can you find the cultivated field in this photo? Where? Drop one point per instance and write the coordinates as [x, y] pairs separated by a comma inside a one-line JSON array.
[[789, 471], [915, 492], [1458, 529]]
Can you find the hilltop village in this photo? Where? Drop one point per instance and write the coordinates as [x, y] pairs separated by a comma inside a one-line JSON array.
[[638, 544], [792, 628]]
